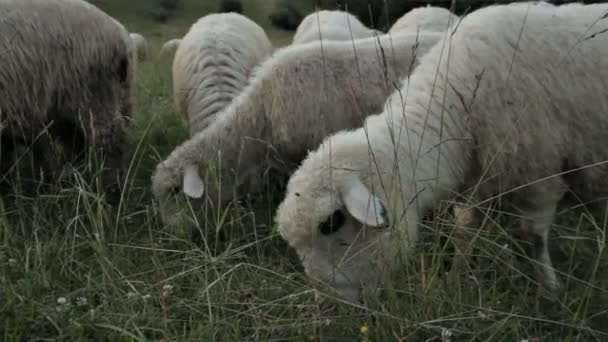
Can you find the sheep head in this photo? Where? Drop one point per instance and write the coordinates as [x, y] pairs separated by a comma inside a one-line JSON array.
[[189, 188], [338, 224]]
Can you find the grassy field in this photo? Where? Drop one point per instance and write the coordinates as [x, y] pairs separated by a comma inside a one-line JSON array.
[[74, 269]]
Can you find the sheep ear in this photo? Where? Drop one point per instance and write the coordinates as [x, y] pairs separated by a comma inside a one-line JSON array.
[[362, 205], [193, 185]]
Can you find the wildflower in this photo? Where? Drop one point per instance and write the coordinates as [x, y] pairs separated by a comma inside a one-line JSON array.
[[12, 262], [131, 295], [146, 297], [364, 329], [62, 304], [167, 290], [81, 301], [446, 335]]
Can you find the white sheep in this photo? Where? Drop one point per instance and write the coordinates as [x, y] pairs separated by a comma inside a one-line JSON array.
[[68, 67], [519, 98], [141, 45], [427, 18], [169, 47], [331, 25], [297, 97], [213, 63]]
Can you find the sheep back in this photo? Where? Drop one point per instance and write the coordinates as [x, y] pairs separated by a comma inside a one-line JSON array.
[[213, 64], [427, 18], [141, 45], [333, 25], [169, 47], [320, 90]]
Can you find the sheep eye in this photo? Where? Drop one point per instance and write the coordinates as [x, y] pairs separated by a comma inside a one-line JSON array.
[[333, 223]]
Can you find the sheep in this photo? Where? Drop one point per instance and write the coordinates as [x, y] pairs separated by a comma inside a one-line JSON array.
[[213, 63], [141, 45], [66, 74], [506, 122], [298, 96], [427, 18], [331, 25], [169, 47]]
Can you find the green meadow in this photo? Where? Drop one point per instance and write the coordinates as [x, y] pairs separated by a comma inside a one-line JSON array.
[[73, 268]]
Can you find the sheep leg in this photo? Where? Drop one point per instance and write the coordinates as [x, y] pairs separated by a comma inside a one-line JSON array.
[[465, 218], [108, 139], [539, 225], [46, 161]]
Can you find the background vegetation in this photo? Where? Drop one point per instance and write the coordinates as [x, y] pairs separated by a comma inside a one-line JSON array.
[[380, 14], [74, 269]]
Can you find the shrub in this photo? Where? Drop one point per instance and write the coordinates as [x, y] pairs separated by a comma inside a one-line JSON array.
[[164, 9], [381, 14], [286, 15], [231, 6], [169, 5]]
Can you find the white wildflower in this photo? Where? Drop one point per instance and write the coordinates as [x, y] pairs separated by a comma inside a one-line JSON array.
[[167, 288], [12, 262], [81, 301], [62, 304], [131, 295], [446, 335], [146, 297], [482, 315]]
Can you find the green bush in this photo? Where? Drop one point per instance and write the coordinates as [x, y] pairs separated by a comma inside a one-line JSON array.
[[231, 6], [169, 5], [286, 15], [378, 14], [381, 14], [164, 10]]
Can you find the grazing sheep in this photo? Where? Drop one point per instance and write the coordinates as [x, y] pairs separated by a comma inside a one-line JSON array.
[[213, 64], [169, 47], [141, 45], [519, 98], [67, 67], [330, 25], [427, 18], [297, 97]]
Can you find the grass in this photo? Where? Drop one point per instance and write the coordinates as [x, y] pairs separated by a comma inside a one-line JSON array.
[[74, 269]]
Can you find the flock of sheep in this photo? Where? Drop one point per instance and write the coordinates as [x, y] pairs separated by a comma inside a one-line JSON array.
[[376, 129]]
